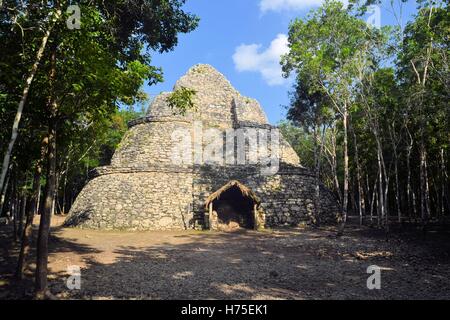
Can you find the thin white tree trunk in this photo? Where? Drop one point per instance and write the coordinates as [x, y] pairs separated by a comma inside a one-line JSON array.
[[361, 203], [346, 174], [423, 188], [380, 189], [372, 202], [427, 189], [442, 207], [317, 159], [3, 196], [316, 174], [397, 184], [333, 164], [411, 195], [66, 173]]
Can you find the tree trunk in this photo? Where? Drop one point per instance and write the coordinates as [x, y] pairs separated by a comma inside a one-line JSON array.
[[346, 176], [333, 164], [386, 194], [423, 187], [54, 200], [361, 203], [3, 195], [32, 210], [377, 201], [352, 195], [382, 183], [427, 188], [13, 216], [317, 160], [372, 200], [410, 194], [397, 190], [397, 184], [382, 211], [38, 200], [56, 203], [443, 178], [44, 226], [66, 173], [22, 212], [13, 208]]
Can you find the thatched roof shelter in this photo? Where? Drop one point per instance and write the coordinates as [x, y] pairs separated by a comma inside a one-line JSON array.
[[246, 192]]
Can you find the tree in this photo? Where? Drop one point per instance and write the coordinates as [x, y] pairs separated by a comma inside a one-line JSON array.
[[55, 15], [311, 110], [395, 84], [327, 49], [87, 73], [423, 65]]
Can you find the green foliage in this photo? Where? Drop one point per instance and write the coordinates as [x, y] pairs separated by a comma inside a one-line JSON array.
[[182, 100], [329, 50], [396, 94], [300, 140], [100, 71]]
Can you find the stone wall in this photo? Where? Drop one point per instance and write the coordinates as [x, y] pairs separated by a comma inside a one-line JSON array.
[[287, 197], [148, 144], [248, 110], [135, 201]]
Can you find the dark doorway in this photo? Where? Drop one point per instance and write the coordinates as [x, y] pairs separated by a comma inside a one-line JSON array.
[[232, 207]]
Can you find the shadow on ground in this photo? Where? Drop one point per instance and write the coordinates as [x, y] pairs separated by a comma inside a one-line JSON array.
[[276, 264]]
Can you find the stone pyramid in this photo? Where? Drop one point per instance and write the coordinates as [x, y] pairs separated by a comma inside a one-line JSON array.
[[221, 163]]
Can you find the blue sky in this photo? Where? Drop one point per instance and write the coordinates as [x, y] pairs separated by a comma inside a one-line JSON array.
[[243, 39]]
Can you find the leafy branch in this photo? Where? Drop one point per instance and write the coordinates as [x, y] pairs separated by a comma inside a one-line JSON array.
[[181, 100]]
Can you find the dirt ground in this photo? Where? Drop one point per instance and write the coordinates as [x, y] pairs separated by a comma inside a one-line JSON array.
[[272, 264]]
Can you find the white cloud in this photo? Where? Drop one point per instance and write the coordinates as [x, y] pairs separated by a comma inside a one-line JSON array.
[[267, 63], [283, 5]]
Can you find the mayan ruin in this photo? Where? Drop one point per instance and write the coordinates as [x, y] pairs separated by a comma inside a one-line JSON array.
[[236, 158], [143, 189]]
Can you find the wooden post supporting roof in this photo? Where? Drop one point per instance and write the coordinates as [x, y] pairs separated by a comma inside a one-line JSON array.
[[210, 215]]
